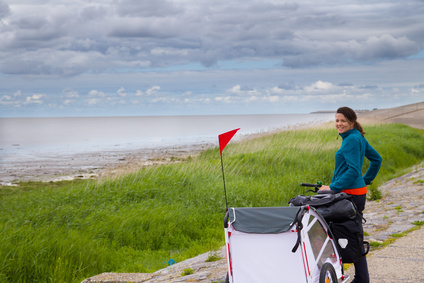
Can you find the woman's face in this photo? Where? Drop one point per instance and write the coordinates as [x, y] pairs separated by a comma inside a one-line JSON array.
[[342, 124]]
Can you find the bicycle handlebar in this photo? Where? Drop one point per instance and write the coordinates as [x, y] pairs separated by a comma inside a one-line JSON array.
[[316, 186], [310, 185]]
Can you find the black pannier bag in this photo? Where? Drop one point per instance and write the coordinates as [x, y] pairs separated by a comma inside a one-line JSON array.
[[349, 236], [332, 207], [344, 222], [339, 211]]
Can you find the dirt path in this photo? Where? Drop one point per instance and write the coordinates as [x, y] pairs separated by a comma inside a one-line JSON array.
[[412, 115]]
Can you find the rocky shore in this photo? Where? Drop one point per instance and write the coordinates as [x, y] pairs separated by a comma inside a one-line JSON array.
[[92, 164]]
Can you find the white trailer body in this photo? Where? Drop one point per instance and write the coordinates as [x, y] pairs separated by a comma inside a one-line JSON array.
[[279, 244]]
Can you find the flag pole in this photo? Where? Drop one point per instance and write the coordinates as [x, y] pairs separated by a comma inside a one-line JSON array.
[[224, 139], [225, 189]]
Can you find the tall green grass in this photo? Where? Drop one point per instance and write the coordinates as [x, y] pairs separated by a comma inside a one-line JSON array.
[[137, 222]]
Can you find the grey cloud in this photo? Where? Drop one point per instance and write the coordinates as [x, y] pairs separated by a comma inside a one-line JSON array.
[[31, 23], [372, 49], [144, 28], [29, 39], [4, 9], [147, 8], [12, 66], [419, 86], [387, 46], [368, 87], [52, 62], [87, 45], [93, 13], [345, 84], [164, 33], [276, 8], [36, 31], [288, 86]]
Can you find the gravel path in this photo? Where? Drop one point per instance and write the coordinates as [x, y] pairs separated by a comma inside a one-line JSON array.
[[401, 205]]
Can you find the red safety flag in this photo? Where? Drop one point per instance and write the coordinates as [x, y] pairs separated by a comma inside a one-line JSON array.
[[225, 138]]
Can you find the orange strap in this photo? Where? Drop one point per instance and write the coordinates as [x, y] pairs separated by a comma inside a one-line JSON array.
[[357, 192]]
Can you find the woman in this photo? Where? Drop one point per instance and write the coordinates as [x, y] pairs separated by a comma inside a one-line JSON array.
[[347, 175]]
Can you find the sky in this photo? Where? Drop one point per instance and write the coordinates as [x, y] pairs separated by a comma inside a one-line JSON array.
[[200, 57]]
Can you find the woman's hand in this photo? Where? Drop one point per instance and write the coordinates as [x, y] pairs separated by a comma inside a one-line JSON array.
[[324, 188]]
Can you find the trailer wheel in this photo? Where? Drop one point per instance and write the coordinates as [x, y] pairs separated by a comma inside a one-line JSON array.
[[227, 279], [327, 274]]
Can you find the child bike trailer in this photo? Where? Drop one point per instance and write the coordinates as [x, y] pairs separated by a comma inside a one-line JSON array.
[[280, 244]]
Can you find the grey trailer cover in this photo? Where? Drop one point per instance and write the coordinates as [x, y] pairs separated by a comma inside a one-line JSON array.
[[263, 220]]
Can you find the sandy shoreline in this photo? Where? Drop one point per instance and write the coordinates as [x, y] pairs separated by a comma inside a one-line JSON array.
[[92, 164], [98, 164]]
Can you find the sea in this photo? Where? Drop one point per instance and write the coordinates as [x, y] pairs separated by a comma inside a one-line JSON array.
[[35, 138]]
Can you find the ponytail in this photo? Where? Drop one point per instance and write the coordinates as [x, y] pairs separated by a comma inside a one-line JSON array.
[[359, 128]]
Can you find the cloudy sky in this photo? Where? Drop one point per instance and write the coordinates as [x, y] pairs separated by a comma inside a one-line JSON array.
[[190, 57]]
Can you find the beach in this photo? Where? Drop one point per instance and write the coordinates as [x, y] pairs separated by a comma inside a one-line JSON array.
[[92, 165], [47, 149], [97, 164]]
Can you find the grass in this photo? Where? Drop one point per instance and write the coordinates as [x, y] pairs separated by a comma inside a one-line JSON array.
[[187, 271], [213, 256], [31, 186], [66, 232], [399, 208]]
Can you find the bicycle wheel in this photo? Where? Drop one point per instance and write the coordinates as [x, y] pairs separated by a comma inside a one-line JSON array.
[[327, 274]]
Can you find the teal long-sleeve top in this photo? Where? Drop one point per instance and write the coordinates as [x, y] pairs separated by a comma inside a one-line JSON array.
[[349, 161]]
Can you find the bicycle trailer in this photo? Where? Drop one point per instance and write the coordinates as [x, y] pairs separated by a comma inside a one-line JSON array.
[[280, 244]]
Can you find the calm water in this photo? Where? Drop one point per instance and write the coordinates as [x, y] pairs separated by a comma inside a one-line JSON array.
[[33, 138]]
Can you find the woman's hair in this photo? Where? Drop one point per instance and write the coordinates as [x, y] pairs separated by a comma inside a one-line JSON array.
[[351, 117]]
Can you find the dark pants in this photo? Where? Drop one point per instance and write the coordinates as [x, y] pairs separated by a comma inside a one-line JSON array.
[[361, 266]]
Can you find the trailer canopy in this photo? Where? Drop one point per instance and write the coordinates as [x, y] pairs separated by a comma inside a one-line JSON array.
[[263, 220]]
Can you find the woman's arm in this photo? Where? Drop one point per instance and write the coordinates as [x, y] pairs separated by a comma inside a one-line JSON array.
[[375, 162]]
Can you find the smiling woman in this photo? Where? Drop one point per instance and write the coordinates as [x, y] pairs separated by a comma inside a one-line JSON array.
[[348, 176]]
